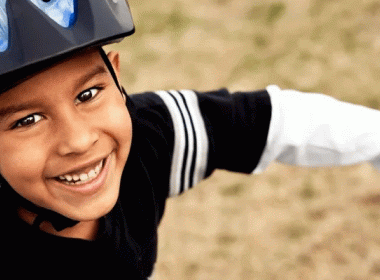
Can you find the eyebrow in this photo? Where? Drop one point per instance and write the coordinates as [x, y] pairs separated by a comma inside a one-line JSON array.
[[4, 112], [12, 109], [100, 69]]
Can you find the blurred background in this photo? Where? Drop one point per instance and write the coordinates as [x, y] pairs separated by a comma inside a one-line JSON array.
[[289, 222]]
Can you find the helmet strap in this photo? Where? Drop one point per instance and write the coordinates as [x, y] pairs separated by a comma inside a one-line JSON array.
[[58, 221], [114, 76], [110, 68]]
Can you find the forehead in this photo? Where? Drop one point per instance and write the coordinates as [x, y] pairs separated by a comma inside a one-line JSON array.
[[62, 73]]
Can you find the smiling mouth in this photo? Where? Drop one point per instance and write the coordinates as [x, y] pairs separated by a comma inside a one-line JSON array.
[[82, 177]]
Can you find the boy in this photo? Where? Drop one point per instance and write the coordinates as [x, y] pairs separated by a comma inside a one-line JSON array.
[[86, 170]]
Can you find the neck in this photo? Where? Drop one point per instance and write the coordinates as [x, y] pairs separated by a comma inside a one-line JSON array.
[[87, 230]]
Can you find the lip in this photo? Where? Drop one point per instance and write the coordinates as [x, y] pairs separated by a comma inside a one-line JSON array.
[[92, 186]]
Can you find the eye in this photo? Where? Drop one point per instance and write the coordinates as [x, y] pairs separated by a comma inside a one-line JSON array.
[[87, 95], [28, 121]]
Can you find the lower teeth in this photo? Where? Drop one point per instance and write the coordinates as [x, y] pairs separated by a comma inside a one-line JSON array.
[[77, 182]]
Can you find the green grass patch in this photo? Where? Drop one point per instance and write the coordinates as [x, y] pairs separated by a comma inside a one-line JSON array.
[[232, 190], [275, 12]]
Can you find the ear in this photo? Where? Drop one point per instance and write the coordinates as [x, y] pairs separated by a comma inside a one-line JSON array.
[[114, 58]]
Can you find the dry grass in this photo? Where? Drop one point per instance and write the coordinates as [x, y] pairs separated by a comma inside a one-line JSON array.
[[289, 222]]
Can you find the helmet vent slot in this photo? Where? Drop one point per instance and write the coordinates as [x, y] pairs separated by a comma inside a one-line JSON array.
[[62, 12], [4, 28]]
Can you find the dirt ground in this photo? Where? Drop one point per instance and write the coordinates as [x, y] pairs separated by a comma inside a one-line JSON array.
[[289, 222]]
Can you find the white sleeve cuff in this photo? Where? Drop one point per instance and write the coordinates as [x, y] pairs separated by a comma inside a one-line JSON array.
[[317, 130]]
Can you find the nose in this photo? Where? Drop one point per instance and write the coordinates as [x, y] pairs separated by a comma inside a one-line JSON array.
[[76, 135]]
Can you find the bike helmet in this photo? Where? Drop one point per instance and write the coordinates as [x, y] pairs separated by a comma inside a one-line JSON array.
[[37, 33]]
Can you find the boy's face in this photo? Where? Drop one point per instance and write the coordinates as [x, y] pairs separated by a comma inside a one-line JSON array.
[[66, 122]]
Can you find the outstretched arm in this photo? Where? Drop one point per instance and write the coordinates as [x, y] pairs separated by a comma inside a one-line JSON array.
[[246, 131]]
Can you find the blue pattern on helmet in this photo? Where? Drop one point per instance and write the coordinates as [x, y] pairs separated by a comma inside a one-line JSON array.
[[4, 32], [62, 12]]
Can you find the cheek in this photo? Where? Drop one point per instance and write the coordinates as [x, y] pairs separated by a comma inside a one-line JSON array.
[[119, 125], [22, 164]]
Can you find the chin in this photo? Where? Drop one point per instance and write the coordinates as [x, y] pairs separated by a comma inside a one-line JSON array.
[[92, 211]]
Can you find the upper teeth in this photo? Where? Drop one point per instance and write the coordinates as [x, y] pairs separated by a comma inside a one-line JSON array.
[[83, 177]]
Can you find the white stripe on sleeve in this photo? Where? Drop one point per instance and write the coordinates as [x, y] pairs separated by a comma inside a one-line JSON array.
[[179, 142], [200, 132], [190, 139], [189, 161]]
